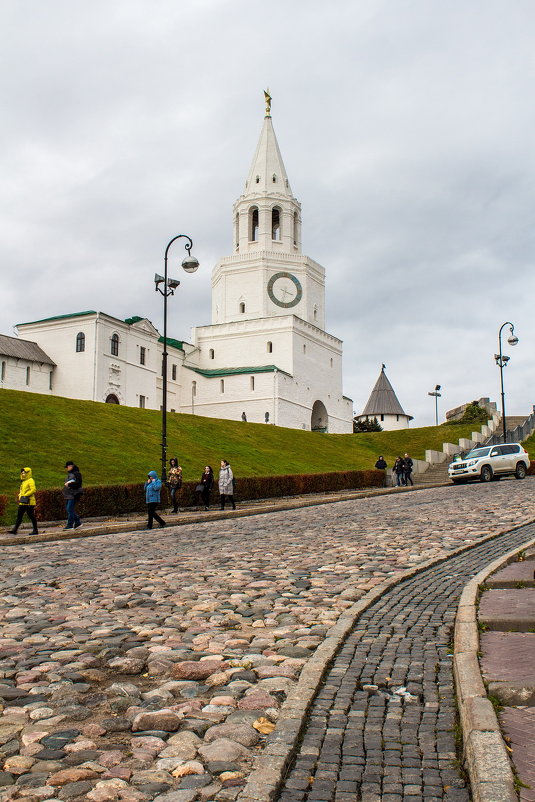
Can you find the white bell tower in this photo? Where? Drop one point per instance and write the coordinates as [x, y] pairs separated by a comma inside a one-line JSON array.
[[267, 275]]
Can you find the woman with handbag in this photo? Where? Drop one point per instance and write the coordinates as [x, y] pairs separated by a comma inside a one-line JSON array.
[[205, 486], [174, 481], [26, 498]]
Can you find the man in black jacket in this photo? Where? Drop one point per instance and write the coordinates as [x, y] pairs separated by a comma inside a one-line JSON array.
[[407, 469], [72, 490]]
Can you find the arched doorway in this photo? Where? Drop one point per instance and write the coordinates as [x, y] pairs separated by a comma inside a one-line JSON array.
[[112, 399], [319, 419]]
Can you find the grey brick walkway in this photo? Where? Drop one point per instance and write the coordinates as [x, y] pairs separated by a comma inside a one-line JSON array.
[[366, 742]]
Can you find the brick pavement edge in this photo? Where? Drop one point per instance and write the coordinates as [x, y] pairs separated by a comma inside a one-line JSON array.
[[270, 766]]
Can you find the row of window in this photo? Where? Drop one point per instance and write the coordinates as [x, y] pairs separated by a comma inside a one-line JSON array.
[[3, 373], [114, 345]]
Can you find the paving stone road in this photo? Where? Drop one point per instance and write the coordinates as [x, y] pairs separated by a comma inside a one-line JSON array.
[[153, 665], [382, 728]]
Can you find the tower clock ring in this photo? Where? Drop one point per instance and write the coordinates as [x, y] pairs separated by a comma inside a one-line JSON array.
[[284, 289]]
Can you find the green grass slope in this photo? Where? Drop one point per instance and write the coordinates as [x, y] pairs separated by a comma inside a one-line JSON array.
[[116, 444]]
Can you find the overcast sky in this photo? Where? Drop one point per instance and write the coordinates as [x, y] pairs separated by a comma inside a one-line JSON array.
[[407, 132]]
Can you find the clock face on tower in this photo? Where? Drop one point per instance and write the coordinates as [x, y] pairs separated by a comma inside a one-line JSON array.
[[284, 289]]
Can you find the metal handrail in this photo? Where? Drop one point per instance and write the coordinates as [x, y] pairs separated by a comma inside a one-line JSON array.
[[516, 435]]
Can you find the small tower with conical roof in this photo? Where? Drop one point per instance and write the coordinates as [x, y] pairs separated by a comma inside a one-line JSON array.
[[384, 405]]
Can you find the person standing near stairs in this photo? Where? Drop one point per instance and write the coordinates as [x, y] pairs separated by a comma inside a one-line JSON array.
[[407, 470]]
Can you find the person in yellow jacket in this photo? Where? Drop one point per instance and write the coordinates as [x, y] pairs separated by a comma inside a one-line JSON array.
[[27, 501]]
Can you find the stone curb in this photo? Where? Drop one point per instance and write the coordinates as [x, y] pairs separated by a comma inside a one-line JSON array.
[[137, 524], [270, 766], [487, 761]]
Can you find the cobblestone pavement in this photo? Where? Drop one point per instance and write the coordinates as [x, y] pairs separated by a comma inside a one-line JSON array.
[[383, 725], [150, 666]]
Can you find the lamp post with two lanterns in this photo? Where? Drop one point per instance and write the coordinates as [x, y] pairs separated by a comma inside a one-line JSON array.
[[502, 360], [190, 265]]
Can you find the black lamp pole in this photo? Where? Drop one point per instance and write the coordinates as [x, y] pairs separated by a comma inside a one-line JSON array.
[[190, 265], [437, 395], [502, 360]]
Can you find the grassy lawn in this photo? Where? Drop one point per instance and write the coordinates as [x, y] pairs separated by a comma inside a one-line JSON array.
[[529, 445], [116, 444]]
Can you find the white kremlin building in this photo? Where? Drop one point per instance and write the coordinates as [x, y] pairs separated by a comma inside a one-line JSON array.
[[266, 353]]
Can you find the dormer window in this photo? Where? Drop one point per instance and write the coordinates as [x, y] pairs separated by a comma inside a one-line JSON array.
[[257, 179], [242, 307], [274, 178]]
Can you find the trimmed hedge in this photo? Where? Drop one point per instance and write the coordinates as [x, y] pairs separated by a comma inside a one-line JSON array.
[[120, 499]]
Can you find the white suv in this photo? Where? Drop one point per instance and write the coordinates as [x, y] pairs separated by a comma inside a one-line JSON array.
[[490, 462]]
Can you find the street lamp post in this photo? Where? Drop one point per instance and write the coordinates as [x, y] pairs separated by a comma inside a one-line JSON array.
[[190, 265], [437, 395], [502, 360]]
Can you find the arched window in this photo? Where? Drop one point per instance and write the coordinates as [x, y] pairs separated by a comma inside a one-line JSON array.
[[274, 178], [3, 374], [237, 232], [269, 347], [253, 224], [28, 375], [315, 312], [252, 383], [304, 348], [295, 228], [276, 223], [242, 307], [257, 179], [194, 388], [211, 353], [222, 385], [80, 342], [114, 345]]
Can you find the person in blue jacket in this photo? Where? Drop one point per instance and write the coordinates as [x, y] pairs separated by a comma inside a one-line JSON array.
[[152, 488]]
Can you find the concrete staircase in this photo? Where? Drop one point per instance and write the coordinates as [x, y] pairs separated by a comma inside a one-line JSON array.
[[435, 474]]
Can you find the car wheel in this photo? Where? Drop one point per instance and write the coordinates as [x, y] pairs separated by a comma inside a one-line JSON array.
[[486, 473], [520, 472]]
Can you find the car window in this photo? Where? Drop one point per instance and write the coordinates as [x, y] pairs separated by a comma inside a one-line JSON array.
[[496, 451], [477, 452], [514, 449]]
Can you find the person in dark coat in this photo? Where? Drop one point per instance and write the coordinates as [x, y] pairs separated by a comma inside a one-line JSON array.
[[72, 490], [397, 470], [205, 486], [381, 464], [407, 469], [152, 488]]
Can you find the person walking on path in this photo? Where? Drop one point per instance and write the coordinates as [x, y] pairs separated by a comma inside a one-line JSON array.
[[397, 470], [152, 488], [226, 484], [205, 486], [72, 490], [407, 469], [175, 481], [26, 499]]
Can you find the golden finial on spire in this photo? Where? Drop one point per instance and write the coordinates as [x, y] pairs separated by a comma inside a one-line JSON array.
[[267, 97]]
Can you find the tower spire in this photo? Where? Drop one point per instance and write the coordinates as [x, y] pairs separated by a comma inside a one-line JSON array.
[[267, 173]]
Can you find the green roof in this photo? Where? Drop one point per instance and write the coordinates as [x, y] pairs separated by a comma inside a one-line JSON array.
[[59, 317], [173, 343], [134, 319], [211, 373]]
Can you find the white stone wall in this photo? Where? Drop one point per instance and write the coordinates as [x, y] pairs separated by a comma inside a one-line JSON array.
[[16, 377]]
